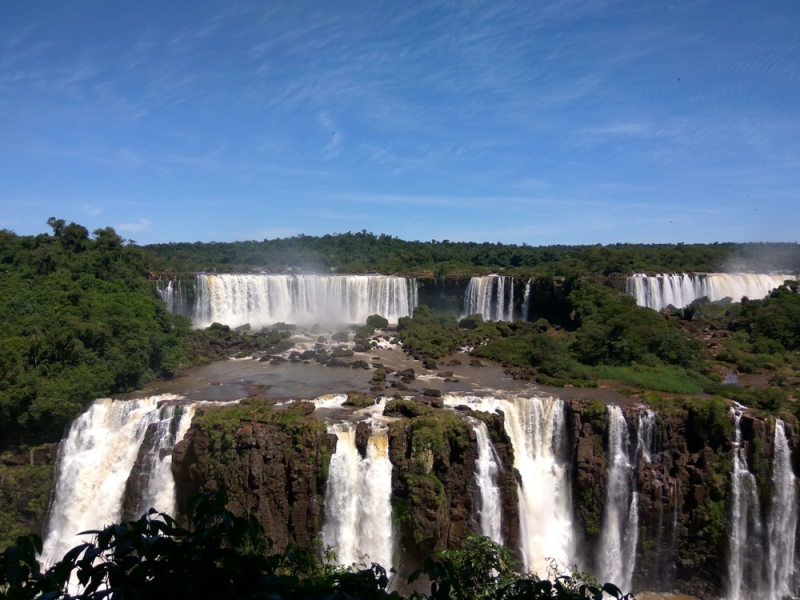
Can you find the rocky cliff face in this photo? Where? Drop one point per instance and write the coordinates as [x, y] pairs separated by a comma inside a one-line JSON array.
[[277, 470], [26, 482], [274, 468], [684, 491], [435, 494]]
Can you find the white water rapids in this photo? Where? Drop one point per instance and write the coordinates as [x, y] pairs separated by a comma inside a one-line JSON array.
[[681, 289], [95, 461], [262, 299]]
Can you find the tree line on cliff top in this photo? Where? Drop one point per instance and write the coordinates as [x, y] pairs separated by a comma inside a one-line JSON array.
[[366, 252]]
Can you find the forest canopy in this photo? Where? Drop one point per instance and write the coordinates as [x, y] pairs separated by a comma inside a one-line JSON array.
[[366, 252], [79, 321]]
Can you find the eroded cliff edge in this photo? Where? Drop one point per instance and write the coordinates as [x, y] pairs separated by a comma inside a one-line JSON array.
[[274, 465]]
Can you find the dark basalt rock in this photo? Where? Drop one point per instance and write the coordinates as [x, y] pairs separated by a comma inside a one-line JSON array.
[[363, 431], [475, 363], [273, 473], [432, 392]]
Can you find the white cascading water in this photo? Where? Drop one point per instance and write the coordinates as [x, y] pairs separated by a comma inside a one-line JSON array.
[[681, 289], [620, 528], [491, 296], [487, 468], [157, 485], [95, 461], [174, 296], [745, 528], [526, 301], [782, 519], [646, 435], [358, 508], [260, 299], [537, 429]]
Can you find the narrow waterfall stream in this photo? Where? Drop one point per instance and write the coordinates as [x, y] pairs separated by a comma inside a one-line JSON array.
[[526, 301], [646, 435], [744, 554], [782, 522], [620, 529], [358, 508], [95, 463], [490, 509]]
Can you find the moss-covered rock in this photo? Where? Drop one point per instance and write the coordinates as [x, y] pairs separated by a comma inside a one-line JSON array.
[[26, 482], [274, 464]]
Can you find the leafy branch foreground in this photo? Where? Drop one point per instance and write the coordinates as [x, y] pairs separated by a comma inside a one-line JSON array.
[[223, 556]]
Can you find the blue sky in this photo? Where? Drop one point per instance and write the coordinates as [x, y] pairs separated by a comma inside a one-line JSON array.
[[539, 122]]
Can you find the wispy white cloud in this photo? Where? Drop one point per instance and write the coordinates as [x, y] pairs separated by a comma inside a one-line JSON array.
[[134, 227]]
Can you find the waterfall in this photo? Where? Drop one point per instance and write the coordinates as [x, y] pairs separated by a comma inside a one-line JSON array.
[[156, 485], [681, 289], [646, 435], [358, 510], [96, 459], [263, 299], [490, 511], [526, 301], [492, 296], [619, 535], [761, 553], [537, 429], [744, 574], [782, 519]]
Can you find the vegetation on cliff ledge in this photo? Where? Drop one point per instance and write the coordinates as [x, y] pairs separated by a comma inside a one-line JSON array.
[[608, 337]]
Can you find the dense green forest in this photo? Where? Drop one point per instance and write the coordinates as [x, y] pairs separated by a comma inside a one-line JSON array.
[[365, 252], [79, 321], [607, 337]]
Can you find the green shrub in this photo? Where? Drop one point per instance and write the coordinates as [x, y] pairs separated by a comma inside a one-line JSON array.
[[377, 322]]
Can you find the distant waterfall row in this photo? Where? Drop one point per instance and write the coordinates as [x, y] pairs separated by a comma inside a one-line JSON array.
[[492, 296], [681, 289], [236, 299]]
